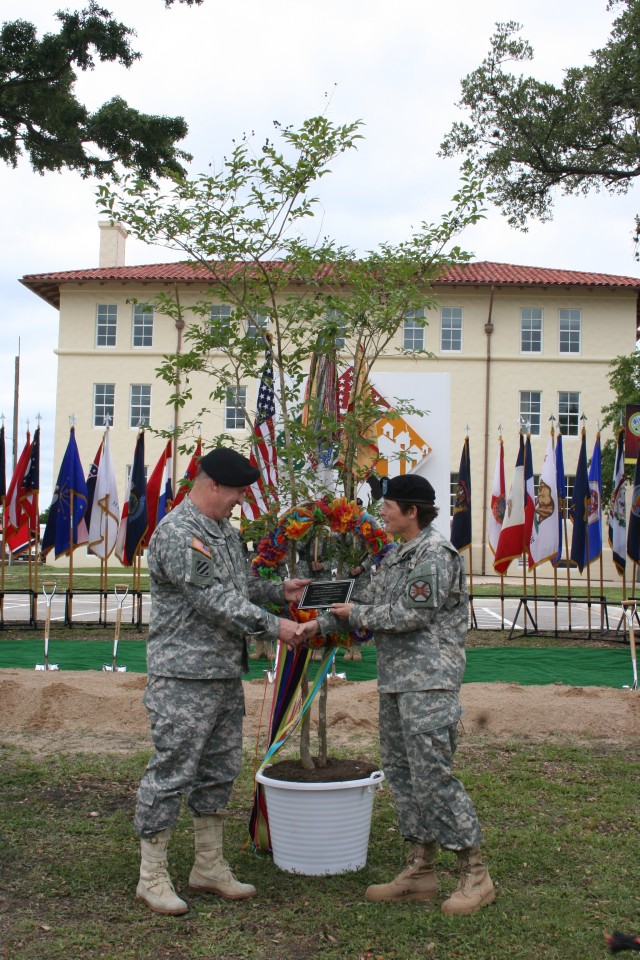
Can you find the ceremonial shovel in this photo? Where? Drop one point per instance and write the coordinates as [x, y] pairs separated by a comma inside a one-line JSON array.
[[630, 614], [120, 597], [48, 590]]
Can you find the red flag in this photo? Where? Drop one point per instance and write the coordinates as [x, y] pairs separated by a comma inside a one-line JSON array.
[[511, 539], [185, 485], [14, 514], [19, 540], [159, 496]]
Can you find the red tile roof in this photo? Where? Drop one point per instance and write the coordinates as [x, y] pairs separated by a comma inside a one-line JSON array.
[[482, 273]]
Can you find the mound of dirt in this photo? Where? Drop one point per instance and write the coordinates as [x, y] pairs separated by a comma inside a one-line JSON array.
[[93, 711]]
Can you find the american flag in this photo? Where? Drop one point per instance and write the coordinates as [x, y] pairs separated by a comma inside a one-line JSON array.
[[264, 492]]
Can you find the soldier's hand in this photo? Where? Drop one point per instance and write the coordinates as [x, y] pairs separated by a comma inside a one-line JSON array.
[[288, 633], [341, 610], [308, 629], [293, 589]]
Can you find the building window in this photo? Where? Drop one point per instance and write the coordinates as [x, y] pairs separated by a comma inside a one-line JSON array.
[[103, 403], [257, 323], [128, 474], [221, 320], [569, 325], [337, 323], [531, 330], [451, 329], [453, 489], [106, 322], [234, 414], [569, 413], [413, 330], [530, 407], [142, 325], [140, 405]]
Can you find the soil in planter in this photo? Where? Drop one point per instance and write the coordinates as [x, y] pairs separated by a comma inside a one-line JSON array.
[[357, 768]]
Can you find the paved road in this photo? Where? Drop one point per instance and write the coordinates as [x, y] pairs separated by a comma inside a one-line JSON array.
[[490, 613]]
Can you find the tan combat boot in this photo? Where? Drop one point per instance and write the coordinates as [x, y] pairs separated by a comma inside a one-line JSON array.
[[475, 889], [154, 886], [211, 872], [348, 654], [357, 653], [417, 881], [258, 651]]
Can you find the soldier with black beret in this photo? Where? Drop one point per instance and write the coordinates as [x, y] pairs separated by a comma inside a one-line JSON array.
[[204, 605], [418, 612]]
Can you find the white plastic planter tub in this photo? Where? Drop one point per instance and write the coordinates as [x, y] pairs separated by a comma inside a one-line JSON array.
[[320, 828]]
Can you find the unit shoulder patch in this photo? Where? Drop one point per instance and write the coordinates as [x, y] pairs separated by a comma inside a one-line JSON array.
[[422, 586], [200, 572]]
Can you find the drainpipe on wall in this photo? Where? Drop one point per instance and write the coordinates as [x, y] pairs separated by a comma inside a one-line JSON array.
[[179, 322], [488, 329]]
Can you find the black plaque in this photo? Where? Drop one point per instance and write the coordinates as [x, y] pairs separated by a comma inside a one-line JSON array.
[[322, 593]]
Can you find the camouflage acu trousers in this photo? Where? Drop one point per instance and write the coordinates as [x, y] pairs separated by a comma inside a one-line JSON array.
[[417, 743], [196, 727]]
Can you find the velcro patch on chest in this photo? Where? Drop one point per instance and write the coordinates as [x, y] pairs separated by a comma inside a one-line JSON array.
[[422, 586]]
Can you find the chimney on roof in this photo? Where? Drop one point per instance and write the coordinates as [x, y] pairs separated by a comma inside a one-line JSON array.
[[113, 237]]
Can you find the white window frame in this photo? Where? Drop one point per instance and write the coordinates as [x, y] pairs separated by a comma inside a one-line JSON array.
[[106, 325], [413, 333], [530, 332], [527, 413], [234, 410], [572, 316], [138, 393], [142, 326], [568, 416], [455, 319], [107, 409], [336, 318], [256, 323]]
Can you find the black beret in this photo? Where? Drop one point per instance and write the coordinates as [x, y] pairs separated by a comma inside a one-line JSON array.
[[408, 489], [229, 467]]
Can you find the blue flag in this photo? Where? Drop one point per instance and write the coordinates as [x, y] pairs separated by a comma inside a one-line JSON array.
[[633, 536], [595, 503], [137, 518], [460, 535], [578, 511], [66, 529]]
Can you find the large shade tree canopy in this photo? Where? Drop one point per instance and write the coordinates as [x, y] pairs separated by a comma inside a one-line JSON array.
[[527, 137], [41, 118]]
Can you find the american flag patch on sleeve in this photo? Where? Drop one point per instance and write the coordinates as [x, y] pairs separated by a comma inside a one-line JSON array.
[[200, 547]]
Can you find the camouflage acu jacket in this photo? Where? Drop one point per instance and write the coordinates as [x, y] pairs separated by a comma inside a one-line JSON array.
[[203, 598], [418, 611]]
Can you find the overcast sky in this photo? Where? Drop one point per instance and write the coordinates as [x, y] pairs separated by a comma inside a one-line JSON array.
[[229, 68]]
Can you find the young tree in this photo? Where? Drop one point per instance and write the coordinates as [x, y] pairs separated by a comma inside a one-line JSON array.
[[527, 137], [246, 226], [41, 117]]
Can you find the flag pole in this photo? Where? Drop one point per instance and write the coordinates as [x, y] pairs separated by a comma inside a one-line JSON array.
[[70, 584]]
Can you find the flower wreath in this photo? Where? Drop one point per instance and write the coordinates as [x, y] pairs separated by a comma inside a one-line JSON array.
[[341, 516]]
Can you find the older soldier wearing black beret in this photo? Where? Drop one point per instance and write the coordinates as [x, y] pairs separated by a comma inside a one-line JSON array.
[[418, 612], [204, 604]]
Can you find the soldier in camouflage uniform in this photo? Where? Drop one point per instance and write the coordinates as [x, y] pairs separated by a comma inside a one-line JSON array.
[[204, 603], [418, 612]]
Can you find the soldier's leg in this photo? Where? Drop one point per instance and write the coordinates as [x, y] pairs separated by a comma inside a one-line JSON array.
[[446, 812], [221, 755], [397, 770], [180, 728]]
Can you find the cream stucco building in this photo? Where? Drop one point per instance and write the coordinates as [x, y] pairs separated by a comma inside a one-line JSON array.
[[521, 344]]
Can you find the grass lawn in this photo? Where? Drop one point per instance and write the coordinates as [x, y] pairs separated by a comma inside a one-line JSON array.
[[560, 827]]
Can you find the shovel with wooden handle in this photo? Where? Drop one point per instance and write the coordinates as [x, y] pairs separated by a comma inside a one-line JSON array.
[[630, 614], [120, 590], [48, 589]]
